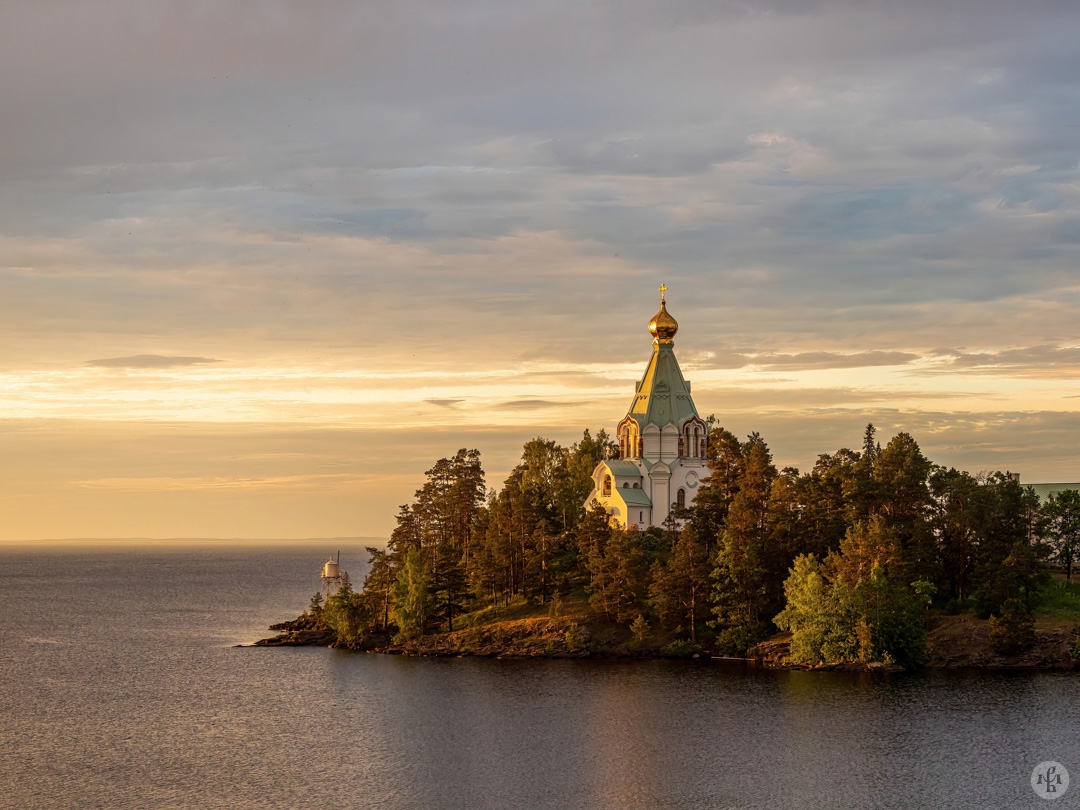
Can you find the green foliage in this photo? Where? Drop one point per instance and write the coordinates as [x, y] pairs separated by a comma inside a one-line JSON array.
[[348, 613], [1018, 577], [616, 567], [575, 637], [1061, 600], [555, 606], [1063, 513], [412, 597], [378, 584], [448, 585], [740, 593], [316, 605], [827, 552], [819, 616], [640, 629], [679, 585], [849, 610], [681, 649], [1013, 630]]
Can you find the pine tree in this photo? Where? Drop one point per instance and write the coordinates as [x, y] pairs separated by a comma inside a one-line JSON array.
[[1064, 515], [679, 590], [740, 595], [412, 597], [617, 573], [379, 582]]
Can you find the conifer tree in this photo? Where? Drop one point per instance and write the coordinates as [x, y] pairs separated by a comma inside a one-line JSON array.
[[617, 572], [378, 583], [1064, 515], [679, 590], [412, 597], [739, 594]]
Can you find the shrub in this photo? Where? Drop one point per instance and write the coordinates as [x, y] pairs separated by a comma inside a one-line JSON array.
[[555, 606], [1013, 630], [681, 649], [575, 637], [640, 628]]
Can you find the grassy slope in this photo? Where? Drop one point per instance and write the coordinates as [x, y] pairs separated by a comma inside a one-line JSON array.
[[1060, 602], [530, 629]]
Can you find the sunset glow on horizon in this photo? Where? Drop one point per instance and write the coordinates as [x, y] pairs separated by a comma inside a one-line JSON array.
[[258, 271]]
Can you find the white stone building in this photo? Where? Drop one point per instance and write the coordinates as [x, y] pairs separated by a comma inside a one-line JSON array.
[[662, 441]]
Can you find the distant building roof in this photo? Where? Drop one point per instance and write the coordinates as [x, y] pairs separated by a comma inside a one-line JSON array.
[[1044, 491]]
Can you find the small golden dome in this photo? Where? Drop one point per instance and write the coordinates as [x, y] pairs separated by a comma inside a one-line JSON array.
[[663, 327]]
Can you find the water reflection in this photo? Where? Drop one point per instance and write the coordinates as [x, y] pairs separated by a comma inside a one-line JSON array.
[[136, 700]]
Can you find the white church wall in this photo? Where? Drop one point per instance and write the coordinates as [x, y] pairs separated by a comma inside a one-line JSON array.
[[669, 443]]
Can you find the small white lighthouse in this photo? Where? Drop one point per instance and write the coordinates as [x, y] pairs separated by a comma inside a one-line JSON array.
[[331, 576]]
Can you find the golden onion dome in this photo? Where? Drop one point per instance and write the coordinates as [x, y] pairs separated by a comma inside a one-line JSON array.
[[663, 327]]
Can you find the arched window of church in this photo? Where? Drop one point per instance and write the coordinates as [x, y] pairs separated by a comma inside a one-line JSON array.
[[680, 497], [607, 485], [626, 484]]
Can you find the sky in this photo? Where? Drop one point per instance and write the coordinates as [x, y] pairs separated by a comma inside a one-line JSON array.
[[261, 264]]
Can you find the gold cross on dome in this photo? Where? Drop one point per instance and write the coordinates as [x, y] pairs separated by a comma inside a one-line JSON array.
[[663, 291]]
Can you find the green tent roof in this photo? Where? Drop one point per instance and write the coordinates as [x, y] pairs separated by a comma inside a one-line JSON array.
[[663, 395]]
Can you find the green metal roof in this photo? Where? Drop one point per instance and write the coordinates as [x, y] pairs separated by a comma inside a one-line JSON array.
[[623, 467], [1044, 491], [633, 497], [663, 395]]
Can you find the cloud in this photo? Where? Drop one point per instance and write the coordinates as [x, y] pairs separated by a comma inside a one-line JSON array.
[[322, 482], [805, 360], [336, 194], [812, 360], [150, 361], [532, 404], [1041, 361]]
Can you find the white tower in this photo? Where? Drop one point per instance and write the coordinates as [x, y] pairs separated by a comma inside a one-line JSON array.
[[331, 576]]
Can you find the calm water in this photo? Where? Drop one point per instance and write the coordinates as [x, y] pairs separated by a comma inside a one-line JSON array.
[[120, 687]]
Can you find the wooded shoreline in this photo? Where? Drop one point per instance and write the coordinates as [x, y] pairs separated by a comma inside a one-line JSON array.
[[953, 642], [874, 559]]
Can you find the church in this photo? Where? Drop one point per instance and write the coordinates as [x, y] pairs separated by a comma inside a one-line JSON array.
[[662, 441]]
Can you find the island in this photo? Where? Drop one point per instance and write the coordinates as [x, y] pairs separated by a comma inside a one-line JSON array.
[[874, 559]]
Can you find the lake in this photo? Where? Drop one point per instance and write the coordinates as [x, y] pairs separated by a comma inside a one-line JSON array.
[[120, 686]]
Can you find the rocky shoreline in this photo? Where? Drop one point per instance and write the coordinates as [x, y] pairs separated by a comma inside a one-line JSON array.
[[953, 642]]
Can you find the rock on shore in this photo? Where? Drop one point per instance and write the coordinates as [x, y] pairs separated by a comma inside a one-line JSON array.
[[964, 641], [306, 631], [952, 642]]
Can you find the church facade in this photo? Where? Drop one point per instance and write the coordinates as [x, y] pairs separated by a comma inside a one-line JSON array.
[[662, 441]]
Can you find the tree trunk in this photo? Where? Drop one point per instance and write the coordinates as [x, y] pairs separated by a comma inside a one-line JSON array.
[[693, 615]]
